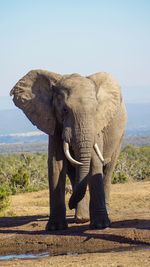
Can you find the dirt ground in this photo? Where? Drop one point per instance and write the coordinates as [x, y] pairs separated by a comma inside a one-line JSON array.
[[126, 243]]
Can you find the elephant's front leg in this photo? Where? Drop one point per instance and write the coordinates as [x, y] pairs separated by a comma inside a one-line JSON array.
[[82, 209], [98, 213], [57, 178]]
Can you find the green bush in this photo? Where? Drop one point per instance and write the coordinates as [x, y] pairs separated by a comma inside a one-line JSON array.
[[4, 197], [24, 172], [19, 180], [119, 177], [133, 164]]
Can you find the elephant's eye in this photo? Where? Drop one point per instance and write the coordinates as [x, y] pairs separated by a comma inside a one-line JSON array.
[[65, 111]]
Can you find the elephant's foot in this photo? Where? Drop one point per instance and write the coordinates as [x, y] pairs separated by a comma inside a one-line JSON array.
[[100, 222], [53, 226], [81, 220]]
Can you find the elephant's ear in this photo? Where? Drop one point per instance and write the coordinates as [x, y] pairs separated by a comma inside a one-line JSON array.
[[108, 96], [33, 94]]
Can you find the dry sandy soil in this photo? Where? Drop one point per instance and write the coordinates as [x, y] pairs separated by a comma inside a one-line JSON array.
[[126, 243]]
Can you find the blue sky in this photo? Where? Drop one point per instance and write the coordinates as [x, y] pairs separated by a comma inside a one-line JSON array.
[[67, 36]]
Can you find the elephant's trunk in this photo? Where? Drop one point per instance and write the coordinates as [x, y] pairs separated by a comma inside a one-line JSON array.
[[82, 144], [82, 172]]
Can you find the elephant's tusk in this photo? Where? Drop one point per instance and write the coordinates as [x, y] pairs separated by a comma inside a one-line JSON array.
[[99, 154], [68, 156]]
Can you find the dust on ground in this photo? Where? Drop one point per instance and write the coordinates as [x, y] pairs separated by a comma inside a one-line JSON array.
[[126, 243]]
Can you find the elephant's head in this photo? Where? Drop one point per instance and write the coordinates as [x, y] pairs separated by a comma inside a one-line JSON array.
[[80, 106]]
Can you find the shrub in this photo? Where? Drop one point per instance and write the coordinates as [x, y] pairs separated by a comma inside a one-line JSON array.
[[19, 180], [5, 193], [119, 177], [133, 164]]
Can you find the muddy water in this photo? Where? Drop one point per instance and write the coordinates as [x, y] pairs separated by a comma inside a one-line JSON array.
[[47, 254]]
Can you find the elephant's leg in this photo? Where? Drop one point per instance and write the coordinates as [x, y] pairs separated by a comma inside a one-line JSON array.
[[82, 210], [107, 175], [57, 178], [98, 213]]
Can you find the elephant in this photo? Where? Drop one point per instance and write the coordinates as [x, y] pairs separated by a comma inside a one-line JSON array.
[[85, 118]]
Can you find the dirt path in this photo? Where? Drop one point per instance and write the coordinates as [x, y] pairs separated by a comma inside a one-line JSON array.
[[126, 243]]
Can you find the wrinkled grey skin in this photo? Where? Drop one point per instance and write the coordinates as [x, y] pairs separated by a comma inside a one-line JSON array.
[[82, 111]]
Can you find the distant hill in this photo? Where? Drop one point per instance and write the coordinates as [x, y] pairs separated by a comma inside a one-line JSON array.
[[30, 137], [18, 148], [136, 140], [16, 128], [34, 147]]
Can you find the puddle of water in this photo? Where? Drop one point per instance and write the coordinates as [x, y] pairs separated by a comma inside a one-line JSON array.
[[47, 254], [22, 256], [70, 253]]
